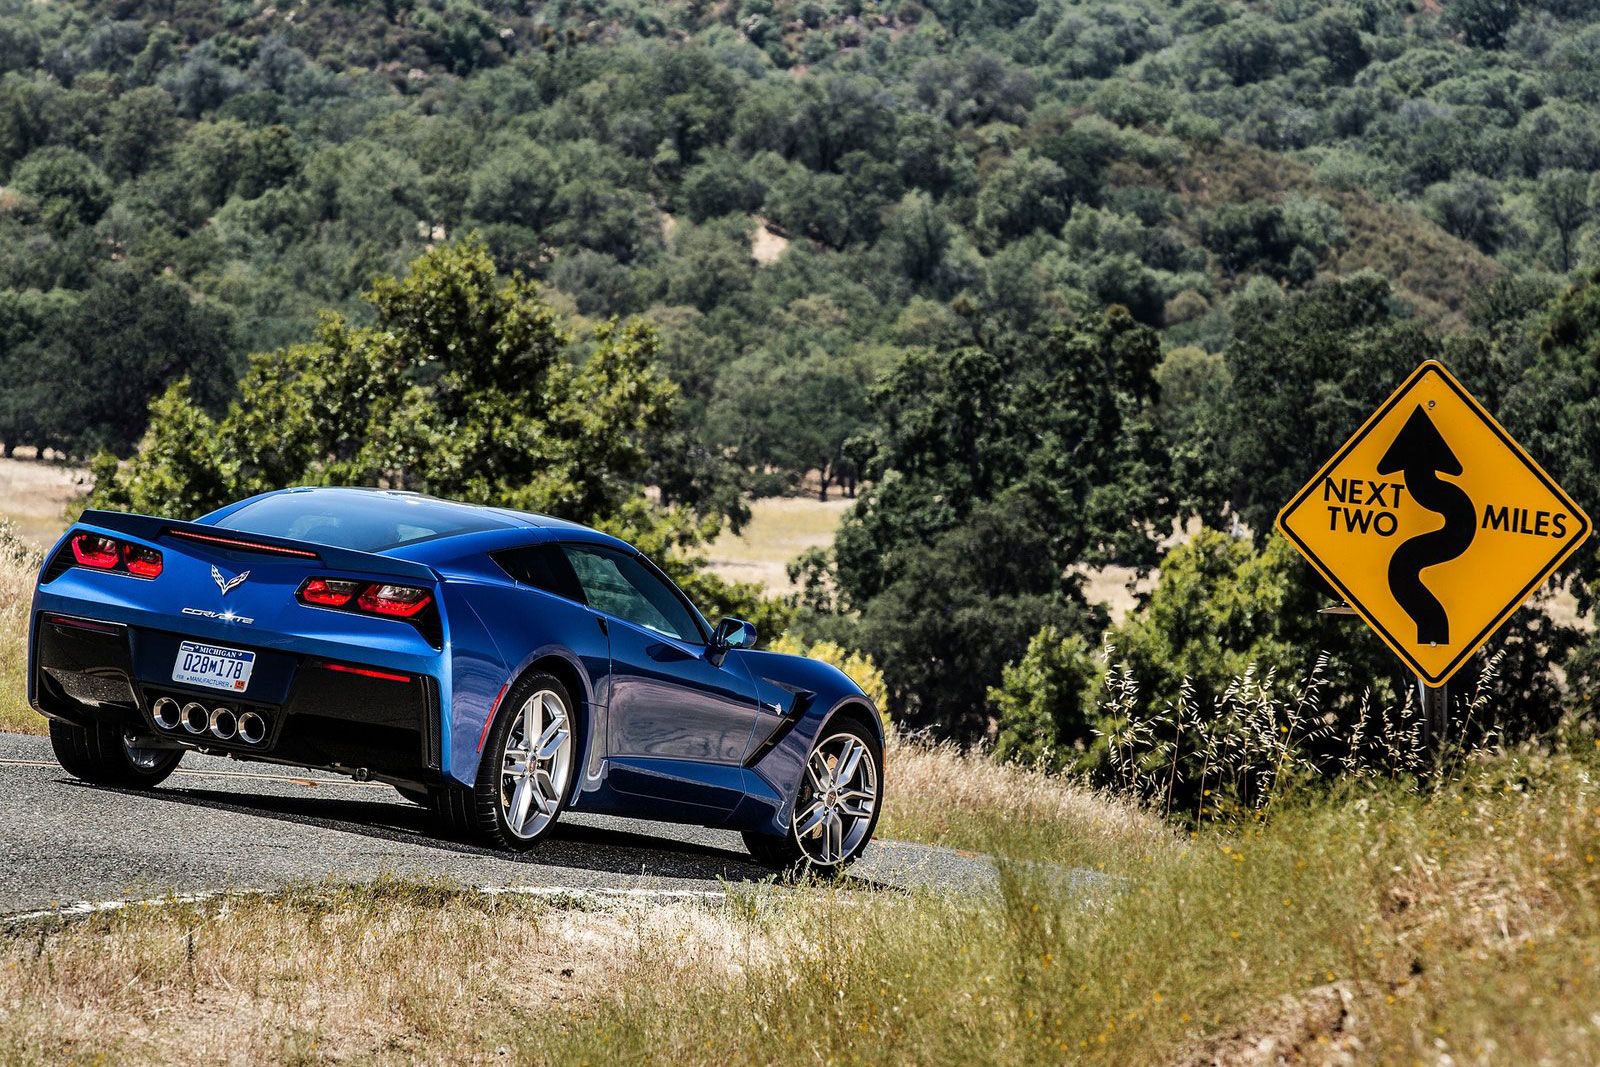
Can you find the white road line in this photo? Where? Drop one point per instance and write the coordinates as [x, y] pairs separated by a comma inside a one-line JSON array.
[[292, 779], [91, 907], [579, 893], [601, 892]]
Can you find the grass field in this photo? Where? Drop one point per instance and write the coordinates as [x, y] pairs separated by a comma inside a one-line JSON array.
[[1380, 925], [780, 528], [35, 495]]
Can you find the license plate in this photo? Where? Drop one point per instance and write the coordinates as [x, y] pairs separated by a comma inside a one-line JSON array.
[[213, 666]]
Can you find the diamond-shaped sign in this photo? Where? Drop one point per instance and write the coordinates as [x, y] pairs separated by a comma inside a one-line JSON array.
[[1433, 523]]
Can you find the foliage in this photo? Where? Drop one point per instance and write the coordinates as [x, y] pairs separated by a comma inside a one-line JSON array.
[[271, 166], [1045, 705], [998, 460], [464, 387], [803, 197], [1228, 627]]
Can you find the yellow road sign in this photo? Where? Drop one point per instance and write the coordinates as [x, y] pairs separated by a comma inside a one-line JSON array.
[[1433, 523]]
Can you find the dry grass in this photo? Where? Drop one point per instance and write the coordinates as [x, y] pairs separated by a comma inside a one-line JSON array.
[[19, 568], [938, 795], [1382, 924], [1390, 926], [780, 529], [35, 495], [376, 973]]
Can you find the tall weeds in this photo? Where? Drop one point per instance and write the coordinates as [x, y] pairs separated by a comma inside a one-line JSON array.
[[19, 568], [1261, 738]]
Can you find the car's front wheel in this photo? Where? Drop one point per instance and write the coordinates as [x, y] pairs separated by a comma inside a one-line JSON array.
[[526, 769], [835, 809], [106, 754]]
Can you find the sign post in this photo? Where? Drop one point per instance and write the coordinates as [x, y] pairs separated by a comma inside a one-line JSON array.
[[1434, 526]]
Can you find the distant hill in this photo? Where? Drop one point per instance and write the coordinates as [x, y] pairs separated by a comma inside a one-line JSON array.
[[208, 178], [1433, 271]]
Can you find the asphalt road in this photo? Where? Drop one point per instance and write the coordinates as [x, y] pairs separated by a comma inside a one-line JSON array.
[[219, 824]]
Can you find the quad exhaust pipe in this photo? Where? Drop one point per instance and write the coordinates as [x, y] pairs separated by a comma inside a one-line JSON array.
[[224, 724], [252, 728], [167, 714], [195, 718]]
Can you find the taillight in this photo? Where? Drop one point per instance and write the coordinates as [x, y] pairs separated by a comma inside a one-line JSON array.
[[398, 601], [367, 672], [102, 553], [329, 592], [371, 598], [93, 550], [140, 560]]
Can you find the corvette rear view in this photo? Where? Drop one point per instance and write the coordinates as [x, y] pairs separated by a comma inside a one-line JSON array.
[[497, 666]]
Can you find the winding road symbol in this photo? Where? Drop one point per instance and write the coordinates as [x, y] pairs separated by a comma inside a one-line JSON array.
[[1419, 453]]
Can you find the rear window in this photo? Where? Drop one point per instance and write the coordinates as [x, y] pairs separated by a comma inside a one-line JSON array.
[[366, 522]]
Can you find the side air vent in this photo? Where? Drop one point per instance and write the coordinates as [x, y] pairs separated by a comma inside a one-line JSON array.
[[58, 565]]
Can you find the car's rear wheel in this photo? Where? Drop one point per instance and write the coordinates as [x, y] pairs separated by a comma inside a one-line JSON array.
[[106, 754], [527, 767], [835, 809], [416, 796]]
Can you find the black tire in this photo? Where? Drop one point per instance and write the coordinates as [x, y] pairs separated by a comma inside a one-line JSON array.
[[97, 753], [416, 796], [785, 854], [476, 815]]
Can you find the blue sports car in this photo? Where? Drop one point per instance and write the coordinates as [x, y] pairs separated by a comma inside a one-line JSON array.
[[499, 667]]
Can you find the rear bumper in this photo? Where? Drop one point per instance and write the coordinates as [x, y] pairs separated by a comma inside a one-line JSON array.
[[338, 711]]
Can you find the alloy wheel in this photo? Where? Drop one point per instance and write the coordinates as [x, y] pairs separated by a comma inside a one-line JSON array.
[[837, 800], [536, 764]]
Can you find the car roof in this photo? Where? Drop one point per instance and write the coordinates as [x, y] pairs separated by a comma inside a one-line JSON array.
[[485, 521]]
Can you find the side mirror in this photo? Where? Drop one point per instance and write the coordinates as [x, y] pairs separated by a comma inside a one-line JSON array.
[[733, 633]]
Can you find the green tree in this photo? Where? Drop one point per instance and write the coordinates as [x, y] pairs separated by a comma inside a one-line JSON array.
[[130, 337], [1469, 208], [1562, 199], [515, 185], [1046, 704], [920, 235], [1028, 193], [70, 189], [141, 123], [996, 466], [796, 416], [1484, 23]]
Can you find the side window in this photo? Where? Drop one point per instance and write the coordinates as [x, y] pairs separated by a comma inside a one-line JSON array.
[[620, 585], [543, 567]]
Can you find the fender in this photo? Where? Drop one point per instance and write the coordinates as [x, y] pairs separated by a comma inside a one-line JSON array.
[[590, 712]]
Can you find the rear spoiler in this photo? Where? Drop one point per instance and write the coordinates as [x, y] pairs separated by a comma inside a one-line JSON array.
[[199, 535]]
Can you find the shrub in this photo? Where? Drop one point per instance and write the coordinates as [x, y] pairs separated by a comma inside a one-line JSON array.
[[1044, 706]]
